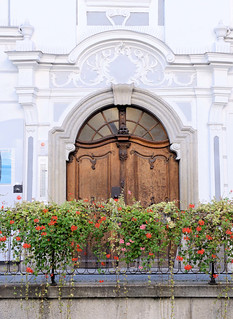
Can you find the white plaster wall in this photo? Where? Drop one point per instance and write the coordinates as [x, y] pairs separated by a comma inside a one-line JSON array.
[[188, 24], [11, 122]]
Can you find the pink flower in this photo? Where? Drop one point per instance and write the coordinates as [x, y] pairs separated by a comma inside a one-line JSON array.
[[140, 267], [142, 226], [129, 192], [132, 241], [122, 241], [127, 244], [123, 249], [142, 248]]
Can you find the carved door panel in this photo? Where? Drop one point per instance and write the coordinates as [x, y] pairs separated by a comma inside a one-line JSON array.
[[146, 172], [92, 172], [151, 175]]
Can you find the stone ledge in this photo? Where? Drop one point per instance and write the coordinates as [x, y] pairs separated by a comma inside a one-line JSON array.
[[110, 290]]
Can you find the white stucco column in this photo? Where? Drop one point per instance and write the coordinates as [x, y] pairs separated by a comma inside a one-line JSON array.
[[26, 61]]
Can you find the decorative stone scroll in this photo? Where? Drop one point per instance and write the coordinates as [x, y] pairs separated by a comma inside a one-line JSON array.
[[123, 62]]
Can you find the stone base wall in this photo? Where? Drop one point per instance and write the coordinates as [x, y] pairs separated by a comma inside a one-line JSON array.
[[100, 301]]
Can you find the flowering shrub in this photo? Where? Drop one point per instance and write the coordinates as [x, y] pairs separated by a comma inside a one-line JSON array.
[[53, 237], [206, 231]]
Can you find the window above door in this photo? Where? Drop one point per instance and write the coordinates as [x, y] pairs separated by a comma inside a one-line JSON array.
[[107, 123]]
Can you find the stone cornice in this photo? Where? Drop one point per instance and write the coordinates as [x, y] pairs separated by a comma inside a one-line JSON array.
[[18, 57], [10, 34], [109, 290], [100, 40]]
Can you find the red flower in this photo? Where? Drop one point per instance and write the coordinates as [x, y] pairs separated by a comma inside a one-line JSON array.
[[79, 250], [191, 205], [78, 213], [18, 197], [54, 217], [0, 232], [198, 228], [209, 237], [187, 230], [18, 238], [102, 263], [115, 199], [201, 222], [28, 269], [116, 258], [36, 220], [119, 208], [43, 234], [201, 251], [108, 256], [73, 228], [215, 275], [101, 281], [151, 254], [148, 235], [90, 222], [214, 256], [74, 259], [179, 258], [52, 222], [186, 238], [97, 225], [3, 238], [188, 267], [45, 210], [37, 227], [25, 245], [12, 222], [228, 232]]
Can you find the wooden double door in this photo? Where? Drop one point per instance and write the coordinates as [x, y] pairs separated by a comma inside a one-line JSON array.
[[143, 170]]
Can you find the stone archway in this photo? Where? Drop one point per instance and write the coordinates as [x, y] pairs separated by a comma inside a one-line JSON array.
[[182, 139]]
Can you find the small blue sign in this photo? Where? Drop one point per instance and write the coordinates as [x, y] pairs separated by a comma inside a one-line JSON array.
[[5, 167]]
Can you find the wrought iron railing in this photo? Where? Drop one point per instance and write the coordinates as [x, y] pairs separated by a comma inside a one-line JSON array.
[[160, 265]]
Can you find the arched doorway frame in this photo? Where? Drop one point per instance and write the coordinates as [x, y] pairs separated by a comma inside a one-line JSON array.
[[182, 138]]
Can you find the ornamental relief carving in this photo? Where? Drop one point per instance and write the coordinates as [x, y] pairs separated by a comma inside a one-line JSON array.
[[122, 63]]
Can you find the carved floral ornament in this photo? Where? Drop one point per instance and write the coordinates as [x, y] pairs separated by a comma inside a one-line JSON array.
[[122, 62]]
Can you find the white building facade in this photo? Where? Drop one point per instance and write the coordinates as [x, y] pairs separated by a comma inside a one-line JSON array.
[[176, 65]]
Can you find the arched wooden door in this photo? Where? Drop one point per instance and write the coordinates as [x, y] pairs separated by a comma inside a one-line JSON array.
[[123, 149]]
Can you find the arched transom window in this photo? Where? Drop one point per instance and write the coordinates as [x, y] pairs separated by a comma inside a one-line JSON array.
[[122, 120]]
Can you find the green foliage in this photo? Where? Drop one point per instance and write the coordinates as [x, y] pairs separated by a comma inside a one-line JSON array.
[[53, 237]]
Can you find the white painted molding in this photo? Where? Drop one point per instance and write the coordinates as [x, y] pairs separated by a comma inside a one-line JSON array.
[[69, 148], [103, 38], [175, 147], [122, 94]]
